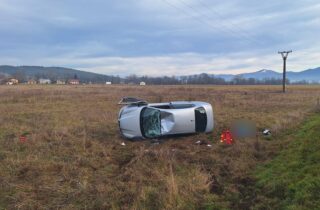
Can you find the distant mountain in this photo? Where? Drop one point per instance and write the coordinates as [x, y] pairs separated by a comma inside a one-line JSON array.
[[259, 75], [262, 74], [53, 73], [310, 75], [24, 73], [227, 77]]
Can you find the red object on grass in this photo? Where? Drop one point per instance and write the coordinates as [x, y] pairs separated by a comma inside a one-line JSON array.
[[226, 137], [23, 139]]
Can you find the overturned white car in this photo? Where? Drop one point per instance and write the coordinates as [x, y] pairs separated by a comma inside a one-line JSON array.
[[138, 119]]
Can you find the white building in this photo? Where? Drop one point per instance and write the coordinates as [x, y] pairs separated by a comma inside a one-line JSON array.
[[12, 82], [108, 83], [142, 83], [44, 81], [73, 82], [60, 82]]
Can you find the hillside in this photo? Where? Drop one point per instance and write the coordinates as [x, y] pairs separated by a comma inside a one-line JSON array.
[[23, 73], [311, 75], [53, 73], [262, 74]]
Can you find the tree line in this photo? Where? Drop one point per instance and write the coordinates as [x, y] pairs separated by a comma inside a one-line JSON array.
[[206, 79], [201, 79]]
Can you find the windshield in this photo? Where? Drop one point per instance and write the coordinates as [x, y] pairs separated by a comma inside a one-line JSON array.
[[150, 122]]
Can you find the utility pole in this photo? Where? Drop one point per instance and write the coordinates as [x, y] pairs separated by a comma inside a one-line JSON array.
[[284, 55]]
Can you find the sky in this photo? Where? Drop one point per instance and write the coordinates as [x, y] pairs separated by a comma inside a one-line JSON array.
[[160, 37]]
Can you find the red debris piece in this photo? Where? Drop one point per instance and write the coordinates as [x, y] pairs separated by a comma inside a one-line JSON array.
[[23, 139], [226, 137]]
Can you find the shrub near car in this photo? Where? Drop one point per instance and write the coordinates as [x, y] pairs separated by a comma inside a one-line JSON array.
[[138, 119]]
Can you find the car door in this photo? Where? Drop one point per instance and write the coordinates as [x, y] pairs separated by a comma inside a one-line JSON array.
[[183, 117]]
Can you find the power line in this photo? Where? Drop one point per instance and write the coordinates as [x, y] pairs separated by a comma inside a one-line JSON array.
[[221, 28], [248, 38], [192, 16], [216, 12]]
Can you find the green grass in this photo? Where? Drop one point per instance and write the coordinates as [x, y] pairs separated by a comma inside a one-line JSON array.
[[291, 180]]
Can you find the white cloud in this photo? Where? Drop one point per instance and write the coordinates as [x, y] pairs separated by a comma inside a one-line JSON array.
[[150, 37], [183, 64]]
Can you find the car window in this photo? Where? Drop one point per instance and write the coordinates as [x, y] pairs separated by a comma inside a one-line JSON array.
[[201, 119], [181, 106], [150, 122], [174, 106]]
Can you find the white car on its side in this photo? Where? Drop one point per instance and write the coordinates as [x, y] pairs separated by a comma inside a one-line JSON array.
[[139, 120]]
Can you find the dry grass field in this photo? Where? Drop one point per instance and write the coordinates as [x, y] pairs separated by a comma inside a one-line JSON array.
[[73, 157]]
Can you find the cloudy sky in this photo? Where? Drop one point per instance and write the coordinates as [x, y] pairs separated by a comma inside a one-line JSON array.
[[160, 37]]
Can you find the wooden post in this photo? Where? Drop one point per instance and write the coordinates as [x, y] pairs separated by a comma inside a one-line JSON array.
[[284, 55]]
